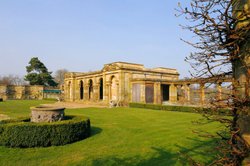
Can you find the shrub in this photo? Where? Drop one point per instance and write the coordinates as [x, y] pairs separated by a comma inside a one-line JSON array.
[[50, 99], [180, 108], [22, 133], [1, 99], [153, 106], [137, 105]]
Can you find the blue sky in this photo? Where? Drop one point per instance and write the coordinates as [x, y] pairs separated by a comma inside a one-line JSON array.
[[82, 35]]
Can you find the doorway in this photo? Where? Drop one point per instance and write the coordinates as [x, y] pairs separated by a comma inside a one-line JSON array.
[[165, 92]]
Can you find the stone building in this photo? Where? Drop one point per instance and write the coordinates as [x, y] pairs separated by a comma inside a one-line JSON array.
[[122, 82]]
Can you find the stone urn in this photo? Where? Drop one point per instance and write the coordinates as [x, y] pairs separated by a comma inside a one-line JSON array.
[[46, 114]]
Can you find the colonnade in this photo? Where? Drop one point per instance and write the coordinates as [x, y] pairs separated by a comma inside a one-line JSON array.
[[112, 88], [186, 91], [90, 90]]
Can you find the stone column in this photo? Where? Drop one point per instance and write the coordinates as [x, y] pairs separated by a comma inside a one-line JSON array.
[[96, 92], [173, 93], [129, 87], [86, 92], [108, 89], [117, 90], [219, 91], [122, 86], [71, 92], [157, 93], [202, 93], [73, 89], [143, 95], [187, 92], [77, 91], [69, 89]]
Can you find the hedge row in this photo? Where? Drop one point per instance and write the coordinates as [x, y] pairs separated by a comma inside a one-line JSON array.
[[23, 133], [179, 108]]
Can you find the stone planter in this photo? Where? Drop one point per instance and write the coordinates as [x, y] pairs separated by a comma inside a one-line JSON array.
[[47, 114]]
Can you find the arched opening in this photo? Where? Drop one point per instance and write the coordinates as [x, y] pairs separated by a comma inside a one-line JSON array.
[[90, 89], [113, 90], [101, 89], [81, 90]]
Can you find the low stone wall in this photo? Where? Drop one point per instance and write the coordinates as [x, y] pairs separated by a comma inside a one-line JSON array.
[[21, 92]]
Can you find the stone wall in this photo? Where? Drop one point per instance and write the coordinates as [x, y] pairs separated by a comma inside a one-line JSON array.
[[3, 92], [8, 92]]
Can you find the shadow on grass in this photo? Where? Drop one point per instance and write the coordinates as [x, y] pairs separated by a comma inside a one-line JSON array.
[[165, 157], [95, 131], [200, 149]]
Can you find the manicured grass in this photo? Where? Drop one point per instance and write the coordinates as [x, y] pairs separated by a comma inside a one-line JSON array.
[[120, 136], [19, 108]]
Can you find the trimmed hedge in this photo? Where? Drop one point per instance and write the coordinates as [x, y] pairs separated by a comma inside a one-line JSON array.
[[23, 133], [180, 108], [50, 99]]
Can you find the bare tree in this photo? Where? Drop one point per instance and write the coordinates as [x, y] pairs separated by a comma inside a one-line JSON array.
[[12, 80], [59, 76], [222, 43]]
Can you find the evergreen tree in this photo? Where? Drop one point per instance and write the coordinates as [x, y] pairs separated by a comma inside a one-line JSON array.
[[38, 74]]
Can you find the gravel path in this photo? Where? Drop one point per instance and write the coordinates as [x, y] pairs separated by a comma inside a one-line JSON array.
[[72, 105]]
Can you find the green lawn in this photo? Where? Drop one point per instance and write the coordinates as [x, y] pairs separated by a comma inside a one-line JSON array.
[[120, 136]]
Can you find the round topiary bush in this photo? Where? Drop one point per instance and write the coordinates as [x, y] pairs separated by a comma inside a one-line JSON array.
[[23, 133]]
